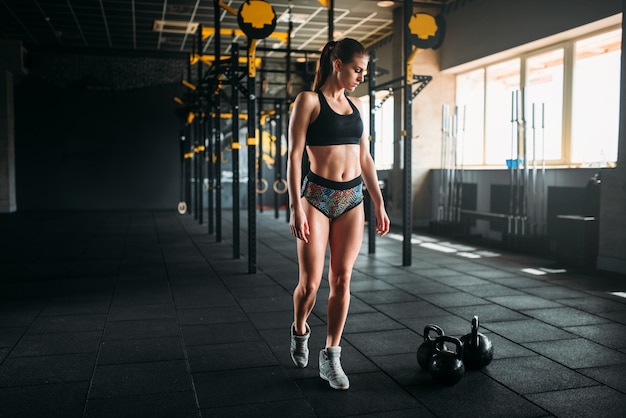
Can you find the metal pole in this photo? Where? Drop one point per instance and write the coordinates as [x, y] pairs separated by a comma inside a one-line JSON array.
[[251, 159], [234, 98], [288, 95], [369, 206], [218, 127], [511, 166], [278, 166], [407, 207], [259, 165], [200, 130], [331, 20]]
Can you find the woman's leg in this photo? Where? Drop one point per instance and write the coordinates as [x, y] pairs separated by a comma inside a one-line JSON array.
[[311, 266], [346, 236]]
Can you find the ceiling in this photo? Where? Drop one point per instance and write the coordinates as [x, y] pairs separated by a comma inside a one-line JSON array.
[[129, 25]]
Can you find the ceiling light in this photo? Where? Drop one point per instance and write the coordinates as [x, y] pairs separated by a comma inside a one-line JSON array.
[[384, 3], [171, 26]]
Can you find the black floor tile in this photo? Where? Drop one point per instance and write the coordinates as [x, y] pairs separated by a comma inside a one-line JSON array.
[[402, 368], [526, 331], [62, 343], [17, 317], [476, 395], [419, 288], [410, 310], [535, 374], [596, 401], [141, 328], [613, 375], [276, 319], [210, 315], [554, 292], [491, 290], [565, 317], [51, 400], [231, 356], [609, 335], [367, 322], [245, 386], [162, 405], [25, 371], [76, 307], [10, 336], [578, 353], [72, 323], [140, 350], [504, 348], [297, 408], [140, 378], [378, 343], [219, 333], [524, 302], [593, 304], [126, 313], [386, 296], [487, 313], [449, 300], [368, 393]]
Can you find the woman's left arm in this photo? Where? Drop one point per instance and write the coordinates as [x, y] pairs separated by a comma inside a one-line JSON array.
[[370, 178]]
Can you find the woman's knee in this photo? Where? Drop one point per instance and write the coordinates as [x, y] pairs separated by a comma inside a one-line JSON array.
[[340, 283], [307, 288]]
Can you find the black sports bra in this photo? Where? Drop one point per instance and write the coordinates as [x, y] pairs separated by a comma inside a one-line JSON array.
[[331, 128]]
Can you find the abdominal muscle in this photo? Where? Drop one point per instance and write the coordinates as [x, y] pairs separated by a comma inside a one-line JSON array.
[[335, 162]]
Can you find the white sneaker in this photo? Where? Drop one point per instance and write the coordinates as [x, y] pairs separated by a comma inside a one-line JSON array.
[[300, 346], [330, 368]]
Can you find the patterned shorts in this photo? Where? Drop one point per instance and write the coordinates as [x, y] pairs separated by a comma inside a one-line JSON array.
[[332, 198]]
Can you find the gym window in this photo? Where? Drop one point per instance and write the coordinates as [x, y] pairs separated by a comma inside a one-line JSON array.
[[383, 147], [570, 105]]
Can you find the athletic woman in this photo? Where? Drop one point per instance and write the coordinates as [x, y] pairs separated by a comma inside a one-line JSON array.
[[326, 210]]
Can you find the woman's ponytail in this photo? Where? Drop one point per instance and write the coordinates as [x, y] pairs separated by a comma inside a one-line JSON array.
[[324, 65], [345, 50]]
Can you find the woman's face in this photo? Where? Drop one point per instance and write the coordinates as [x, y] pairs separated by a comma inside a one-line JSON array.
[[351, 74]]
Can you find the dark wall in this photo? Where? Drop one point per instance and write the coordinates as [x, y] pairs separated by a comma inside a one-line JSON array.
[[98, 133], [479, 28]]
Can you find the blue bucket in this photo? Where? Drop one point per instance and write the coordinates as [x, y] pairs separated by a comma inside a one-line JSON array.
[[514, 163]]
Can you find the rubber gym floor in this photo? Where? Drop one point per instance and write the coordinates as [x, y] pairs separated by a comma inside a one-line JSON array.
[[144, 314]]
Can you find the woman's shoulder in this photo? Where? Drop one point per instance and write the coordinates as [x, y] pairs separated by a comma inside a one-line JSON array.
[[308, 99]]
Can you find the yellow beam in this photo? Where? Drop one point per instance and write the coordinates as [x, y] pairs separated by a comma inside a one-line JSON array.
[[209, 59], [189, 85], [206, 32], [409, 64], [228, 8]]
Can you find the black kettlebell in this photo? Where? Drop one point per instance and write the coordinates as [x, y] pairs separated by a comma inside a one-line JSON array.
[[425, 350], [477, 348], [446, 367]]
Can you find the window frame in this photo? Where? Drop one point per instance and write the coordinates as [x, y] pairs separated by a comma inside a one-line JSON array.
[[569, 50]]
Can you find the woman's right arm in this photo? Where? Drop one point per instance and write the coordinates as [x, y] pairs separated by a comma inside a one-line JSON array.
[[298, 124]]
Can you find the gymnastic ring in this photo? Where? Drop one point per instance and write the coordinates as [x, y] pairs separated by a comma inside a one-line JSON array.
[[264, 188], [275, 186], [182, 208]]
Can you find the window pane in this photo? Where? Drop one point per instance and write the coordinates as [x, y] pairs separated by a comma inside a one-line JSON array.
[[384, 146], [470, 97], [502, 80], [595, 99], [544, 88]]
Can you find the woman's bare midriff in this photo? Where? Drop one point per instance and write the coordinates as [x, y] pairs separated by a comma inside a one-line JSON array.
[[335, 162]]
